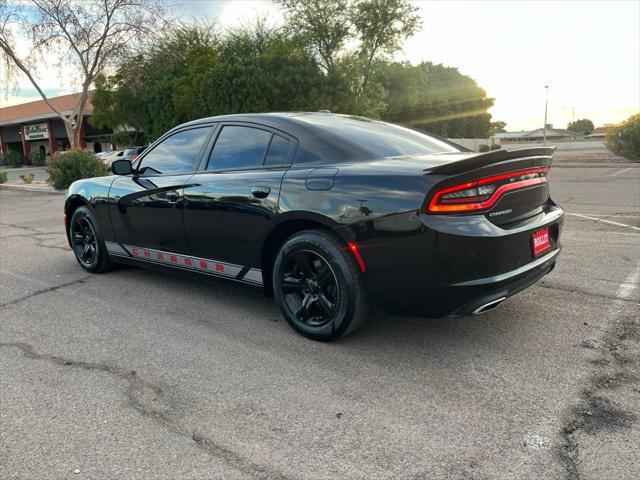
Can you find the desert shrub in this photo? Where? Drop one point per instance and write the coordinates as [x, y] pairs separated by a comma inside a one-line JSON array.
[[74, 165], [624, 138], [496, 146], [38, 158], [3, 176], [484, 147], [13, 158]]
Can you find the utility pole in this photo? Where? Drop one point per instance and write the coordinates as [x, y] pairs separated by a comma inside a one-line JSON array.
[[546, 104]]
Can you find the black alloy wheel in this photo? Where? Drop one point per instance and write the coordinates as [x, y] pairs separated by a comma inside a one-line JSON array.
[[86, 241], [310, 287], [83, 238], [318, 286]]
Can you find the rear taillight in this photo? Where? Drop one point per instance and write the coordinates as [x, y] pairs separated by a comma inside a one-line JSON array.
[[484, 193]]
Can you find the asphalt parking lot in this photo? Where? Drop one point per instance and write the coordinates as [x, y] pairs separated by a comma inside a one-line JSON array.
[[138, 374]]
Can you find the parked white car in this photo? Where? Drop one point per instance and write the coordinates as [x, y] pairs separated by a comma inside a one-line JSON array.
[[109, 157]]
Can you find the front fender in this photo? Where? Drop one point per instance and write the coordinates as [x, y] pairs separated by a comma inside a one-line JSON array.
[[94, 194]]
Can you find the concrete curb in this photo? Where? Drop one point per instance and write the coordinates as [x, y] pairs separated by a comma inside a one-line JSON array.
[[25, 169], [31, 188]]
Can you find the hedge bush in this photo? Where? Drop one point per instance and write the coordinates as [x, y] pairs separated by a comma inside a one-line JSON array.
[[624, 138], [483, 147], [38, 157], [3, 176], [74, 165], [13, 158]]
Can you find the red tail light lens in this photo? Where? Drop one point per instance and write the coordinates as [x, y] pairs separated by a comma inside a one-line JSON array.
[[484, 193]]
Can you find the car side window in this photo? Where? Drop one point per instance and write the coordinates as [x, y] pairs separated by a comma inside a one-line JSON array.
[[278, 151], [176, 154], [239, 147]]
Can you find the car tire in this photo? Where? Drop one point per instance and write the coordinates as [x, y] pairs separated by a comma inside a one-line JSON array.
[[318, 286], [87, 242]]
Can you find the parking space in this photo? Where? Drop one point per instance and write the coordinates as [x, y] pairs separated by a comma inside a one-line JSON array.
[[140, 374]]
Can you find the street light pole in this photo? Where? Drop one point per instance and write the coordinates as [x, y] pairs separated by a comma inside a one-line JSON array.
[[546, 103], [573, 112]]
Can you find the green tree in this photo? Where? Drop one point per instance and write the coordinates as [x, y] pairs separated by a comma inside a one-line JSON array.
[[497, 127], [434, 98], [156, 90], [324, 26], [382, 27], [348, 37], [624, 139], [117, 105], [263, 69], [583, 126], [192, 73]]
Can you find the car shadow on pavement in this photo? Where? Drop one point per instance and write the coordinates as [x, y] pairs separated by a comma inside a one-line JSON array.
[[381, 333]]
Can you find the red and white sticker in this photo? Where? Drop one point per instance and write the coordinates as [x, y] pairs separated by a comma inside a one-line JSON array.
[[541, 241]]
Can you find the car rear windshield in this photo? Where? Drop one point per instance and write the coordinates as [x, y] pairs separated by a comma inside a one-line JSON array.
[[384, 139]]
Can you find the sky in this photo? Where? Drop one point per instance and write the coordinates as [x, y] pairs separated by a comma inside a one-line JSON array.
[[587, 52]]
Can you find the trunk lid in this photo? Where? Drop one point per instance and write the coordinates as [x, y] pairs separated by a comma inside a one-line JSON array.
[[518, 179]]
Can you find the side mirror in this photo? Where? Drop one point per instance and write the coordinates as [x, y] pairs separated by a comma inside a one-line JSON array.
[[121, 167]]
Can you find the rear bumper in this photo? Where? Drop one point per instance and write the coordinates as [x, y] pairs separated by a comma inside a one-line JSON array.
[[431, 266], [490, 291]]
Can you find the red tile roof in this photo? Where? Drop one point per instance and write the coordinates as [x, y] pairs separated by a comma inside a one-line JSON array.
[[34, 110]]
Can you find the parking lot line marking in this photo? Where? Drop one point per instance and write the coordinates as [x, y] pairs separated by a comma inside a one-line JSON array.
[[602, 220], [620, 172], [581, 236], [609, 215], [603, 232], [627, 287]]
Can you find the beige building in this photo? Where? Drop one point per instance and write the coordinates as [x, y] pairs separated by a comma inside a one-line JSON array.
[[30, 126]]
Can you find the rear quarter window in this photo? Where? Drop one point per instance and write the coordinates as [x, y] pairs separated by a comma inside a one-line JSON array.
[[279, 150]]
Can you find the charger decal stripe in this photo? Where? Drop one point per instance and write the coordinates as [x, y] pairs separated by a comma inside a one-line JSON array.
[[242, 273], [115, 248], [254, 275], [202, 265]]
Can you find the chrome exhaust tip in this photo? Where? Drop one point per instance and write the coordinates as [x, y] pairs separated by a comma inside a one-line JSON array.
[[489, 306]]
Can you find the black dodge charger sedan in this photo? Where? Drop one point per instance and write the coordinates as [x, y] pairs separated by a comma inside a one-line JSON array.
[[329, 214]]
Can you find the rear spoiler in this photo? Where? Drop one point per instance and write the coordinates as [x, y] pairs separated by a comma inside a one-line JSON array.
[[489, 158]]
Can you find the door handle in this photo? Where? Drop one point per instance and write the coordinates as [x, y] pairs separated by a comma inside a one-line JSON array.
[[172, 196], [260, 191]]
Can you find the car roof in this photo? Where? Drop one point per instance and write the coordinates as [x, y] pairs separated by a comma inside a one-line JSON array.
[[272, 119], [319, 143]]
